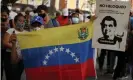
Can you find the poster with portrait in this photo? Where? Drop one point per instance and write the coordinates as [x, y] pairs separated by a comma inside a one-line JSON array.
[[111, 25]]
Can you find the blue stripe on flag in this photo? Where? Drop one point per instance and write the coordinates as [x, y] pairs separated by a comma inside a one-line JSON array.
[[58, 55]]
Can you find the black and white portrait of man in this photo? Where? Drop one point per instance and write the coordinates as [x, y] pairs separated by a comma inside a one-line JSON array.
[[108, 28]]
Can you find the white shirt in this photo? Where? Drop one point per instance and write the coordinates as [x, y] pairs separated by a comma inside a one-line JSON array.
[[10, 31], [12, 14], [81, 17]]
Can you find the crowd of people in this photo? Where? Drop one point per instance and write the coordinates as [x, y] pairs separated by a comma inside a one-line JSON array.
[[11, 54]]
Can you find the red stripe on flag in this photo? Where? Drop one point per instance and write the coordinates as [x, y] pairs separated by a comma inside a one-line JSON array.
[[66, 72]]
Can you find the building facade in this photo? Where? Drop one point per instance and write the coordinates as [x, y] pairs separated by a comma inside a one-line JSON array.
[[59, 4], [132, 4], [70, 4]]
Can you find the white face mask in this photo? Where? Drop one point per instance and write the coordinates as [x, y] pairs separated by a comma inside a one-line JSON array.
[[9, 7], [75, 20], [36, 29]]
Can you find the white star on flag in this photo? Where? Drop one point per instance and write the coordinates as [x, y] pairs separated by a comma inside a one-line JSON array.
[[56, 49], [50, 52], [72, 54], [61, 49], [47, 57], [44, 62], [67, 51], [76, 59]]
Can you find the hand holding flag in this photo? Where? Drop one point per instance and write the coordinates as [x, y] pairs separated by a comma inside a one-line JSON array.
[[13, 38]]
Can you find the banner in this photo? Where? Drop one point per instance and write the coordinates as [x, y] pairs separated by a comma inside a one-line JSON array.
[[62, 53], [110, 27]]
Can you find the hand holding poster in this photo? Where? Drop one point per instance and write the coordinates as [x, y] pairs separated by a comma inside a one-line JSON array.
[[110, 28]]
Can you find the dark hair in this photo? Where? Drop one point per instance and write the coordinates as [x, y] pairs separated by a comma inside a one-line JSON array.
[[58, 14], [88, 17], [17, 16], [108, 18], [130, 14], [77, 10], [42, 7], [5, 9], [34, 10], [74, 14]]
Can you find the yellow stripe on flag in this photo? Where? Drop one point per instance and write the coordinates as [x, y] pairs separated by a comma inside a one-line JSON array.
[[53, 36]]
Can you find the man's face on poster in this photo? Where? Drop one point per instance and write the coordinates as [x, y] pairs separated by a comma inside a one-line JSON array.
[[109, 29]]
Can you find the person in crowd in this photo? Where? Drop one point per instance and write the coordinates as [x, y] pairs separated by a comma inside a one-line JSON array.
[[4, 27], [27, 18], [110, 60], [87, 17], [125, 57], [35, 12], [75, 18], [48, 22], [81, 16], [128, 54], [58, 14], [64, 19], [130, 43], [36, 24], [121, 64], [12, 14], [12, 69]]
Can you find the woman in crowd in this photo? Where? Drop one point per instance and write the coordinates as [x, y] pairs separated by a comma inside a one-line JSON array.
[[15, 69], [64, 19], [4, 27], [48, 22], [36, 24], [75, 18]]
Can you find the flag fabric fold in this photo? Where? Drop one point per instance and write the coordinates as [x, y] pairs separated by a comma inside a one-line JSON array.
[[62, 53]]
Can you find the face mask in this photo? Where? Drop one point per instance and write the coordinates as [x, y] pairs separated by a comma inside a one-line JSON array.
[[42, 15], [75, 20], [20, 26], [36, 28], [9, 7], [3, 19]]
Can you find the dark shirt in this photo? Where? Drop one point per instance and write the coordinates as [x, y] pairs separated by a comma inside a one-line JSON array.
[[3, 31], [110, 42]]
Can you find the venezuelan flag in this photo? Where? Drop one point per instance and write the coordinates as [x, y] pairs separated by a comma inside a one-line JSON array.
[[62, 53]]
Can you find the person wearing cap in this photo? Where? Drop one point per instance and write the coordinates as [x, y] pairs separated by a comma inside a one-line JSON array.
[[64, 19], [48, 22], [37, 23]]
